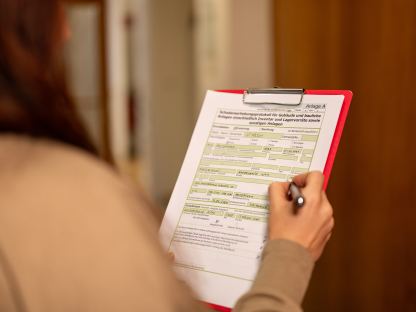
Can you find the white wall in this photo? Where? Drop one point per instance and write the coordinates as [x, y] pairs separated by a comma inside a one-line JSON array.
[[212, 45], [165, 85], [230, 46], [117, 77], [234, 44], [83, 65], [250, 57]]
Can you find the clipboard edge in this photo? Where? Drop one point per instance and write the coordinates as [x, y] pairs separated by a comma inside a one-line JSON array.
[[217, 307], [348, 94]]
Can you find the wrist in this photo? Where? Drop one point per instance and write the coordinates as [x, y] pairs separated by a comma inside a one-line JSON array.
[[301, 241]]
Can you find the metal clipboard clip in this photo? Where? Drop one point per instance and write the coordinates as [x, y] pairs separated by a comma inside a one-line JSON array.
[[268, 91]]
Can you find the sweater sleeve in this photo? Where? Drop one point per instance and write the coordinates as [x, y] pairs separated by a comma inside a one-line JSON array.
[[281, 281]]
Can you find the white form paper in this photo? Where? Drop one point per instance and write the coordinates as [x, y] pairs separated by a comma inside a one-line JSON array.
[[216, 220]]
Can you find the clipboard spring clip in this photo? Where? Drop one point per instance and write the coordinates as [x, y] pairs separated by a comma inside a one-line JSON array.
[[273, 91]]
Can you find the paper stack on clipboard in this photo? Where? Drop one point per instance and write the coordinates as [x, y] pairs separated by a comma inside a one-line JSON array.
[[216, 220]]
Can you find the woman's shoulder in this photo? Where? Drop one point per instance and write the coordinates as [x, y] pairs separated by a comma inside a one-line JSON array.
[[68, 219], [43, 177], [32, 165], [66, 180], [20, 154]]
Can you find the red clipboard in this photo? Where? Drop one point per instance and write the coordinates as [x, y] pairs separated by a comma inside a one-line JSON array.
[[332, 151]]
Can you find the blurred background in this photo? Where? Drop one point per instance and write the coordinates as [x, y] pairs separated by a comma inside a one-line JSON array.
[[139, 69]]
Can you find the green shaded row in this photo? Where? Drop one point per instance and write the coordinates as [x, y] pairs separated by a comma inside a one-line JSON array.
[[223, 185], [219, 213]]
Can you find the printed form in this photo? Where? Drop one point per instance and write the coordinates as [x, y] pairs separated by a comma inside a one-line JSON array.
[[216, 220]]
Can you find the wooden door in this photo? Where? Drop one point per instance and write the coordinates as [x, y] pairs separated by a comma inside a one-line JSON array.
[[368, 47]]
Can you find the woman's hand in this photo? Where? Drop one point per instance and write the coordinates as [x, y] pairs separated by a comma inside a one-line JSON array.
[[311, 226]]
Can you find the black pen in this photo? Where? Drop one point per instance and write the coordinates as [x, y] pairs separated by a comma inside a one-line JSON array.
[[296, 195]]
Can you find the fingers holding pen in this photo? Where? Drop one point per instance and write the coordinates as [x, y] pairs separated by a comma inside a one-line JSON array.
[[311, 182], [312, 226]]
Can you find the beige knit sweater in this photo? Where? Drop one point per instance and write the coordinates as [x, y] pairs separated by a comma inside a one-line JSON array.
[[75, 237]]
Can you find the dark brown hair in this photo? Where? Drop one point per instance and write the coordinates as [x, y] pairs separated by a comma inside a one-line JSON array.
[[33, 98]]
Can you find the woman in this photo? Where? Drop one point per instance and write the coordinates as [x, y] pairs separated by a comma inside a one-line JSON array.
[[73, 235]]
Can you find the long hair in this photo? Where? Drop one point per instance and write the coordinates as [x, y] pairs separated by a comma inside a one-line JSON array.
[[33, 96]]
